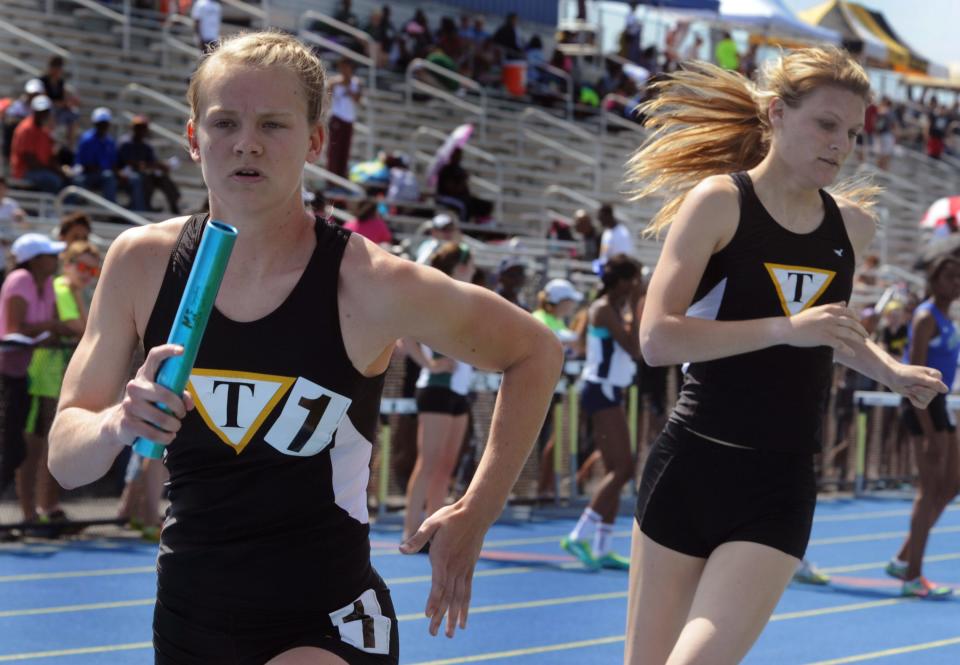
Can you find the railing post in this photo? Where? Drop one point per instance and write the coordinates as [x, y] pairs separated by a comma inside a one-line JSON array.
[[126, 26]]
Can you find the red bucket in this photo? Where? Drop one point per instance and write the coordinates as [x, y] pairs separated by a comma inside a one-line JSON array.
[[514, 77]]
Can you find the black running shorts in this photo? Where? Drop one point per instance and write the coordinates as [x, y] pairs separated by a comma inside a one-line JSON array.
[[696, 495], [363, 632]]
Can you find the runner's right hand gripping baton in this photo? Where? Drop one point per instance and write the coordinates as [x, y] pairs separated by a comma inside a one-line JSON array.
[[196, 304]]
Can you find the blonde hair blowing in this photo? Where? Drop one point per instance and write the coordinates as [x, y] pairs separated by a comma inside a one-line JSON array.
[[270, 48], [704, 121]]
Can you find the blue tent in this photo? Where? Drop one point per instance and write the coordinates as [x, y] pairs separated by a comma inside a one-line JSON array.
[[699, 5]]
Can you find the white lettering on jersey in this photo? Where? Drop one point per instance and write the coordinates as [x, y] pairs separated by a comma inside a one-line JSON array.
[[309, 418], [235, 404], [798, 287]]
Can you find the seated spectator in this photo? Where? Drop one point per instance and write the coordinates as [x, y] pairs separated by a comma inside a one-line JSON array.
[[369, 224], [417, 37], [16, 110], [97, 156], [511, 278], [443, 229], [74, 227], [65, 103], [583, 225], [32, 156], [487, 64], [451, 43], [453, 190], [138, 155], [403, 185], [10, 213]]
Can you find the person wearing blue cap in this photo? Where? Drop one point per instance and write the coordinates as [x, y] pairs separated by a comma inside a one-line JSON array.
[[97, 156]]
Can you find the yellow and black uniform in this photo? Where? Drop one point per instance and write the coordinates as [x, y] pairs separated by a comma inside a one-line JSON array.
[[265, 546], [696, 493]]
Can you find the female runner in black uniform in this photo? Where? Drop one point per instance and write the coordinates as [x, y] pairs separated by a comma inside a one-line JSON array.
[[265, 553], [751, 289]]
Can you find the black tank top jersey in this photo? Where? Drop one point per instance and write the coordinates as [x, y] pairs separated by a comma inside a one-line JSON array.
[[775, 398], [268, 475]]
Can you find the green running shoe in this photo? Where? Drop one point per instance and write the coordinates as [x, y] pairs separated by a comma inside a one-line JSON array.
[[613, 561], [896, 570], [581, 550], [807, 573], [924, 588]]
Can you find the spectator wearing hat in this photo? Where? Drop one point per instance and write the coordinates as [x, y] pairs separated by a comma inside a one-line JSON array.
[[511, 278], [138, 155], [10, 213], [65, 103], [555, 305], [443, 229], [16, 110], [32, 156], [615, 239], [27, 308], [207, 16], [97, 156]]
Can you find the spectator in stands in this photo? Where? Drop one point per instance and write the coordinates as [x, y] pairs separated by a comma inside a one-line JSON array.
[[934, 342], [403, 185], [381, 28], [451, 43], [369, 224], [138, 155], [507, 37], [453, 190], [207, 16], [693, 51], [10, 214], [65, 103], [443, 229], [345, 14], [74, 227], [27, 307], [616, 237], [511, 278], [417, 36], [16, 110], [935, 131], [487, 62], [887, 127], [32, 157], [583, 225], [725, 53], [630, 40], [97, 156], [81, 267], [345, 94], [442, 407]]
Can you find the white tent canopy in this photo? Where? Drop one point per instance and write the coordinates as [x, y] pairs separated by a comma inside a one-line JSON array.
[[773, 19]]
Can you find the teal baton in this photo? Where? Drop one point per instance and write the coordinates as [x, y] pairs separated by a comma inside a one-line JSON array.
[[200, 294]]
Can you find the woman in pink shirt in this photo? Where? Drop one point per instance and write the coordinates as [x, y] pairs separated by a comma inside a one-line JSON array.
[[369, 224], [27, 307]]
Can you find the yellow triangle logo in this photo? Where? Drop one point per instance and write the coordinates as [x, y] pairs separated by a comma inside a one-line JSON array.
[[798, 287], [235, 404]]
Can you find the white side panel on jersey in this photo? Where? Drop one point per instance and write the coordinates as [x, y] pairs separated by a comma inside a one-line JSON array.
[[350, 459], [709, 305]]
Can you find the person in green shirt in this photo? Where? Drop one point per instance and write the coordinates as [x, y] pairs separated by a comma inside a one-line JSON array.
[[557, 302], [81, 266], [726, 54]]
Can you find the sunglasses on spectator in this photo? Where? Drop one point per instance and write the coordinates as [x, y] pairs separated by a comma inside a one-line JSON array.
[[84, 269]]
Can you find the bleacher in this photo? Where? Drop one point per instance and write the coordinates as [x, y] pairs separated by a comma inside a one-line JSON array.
[[536, 165]]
